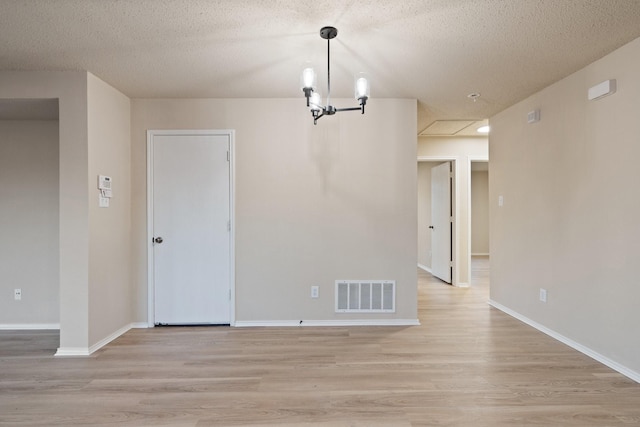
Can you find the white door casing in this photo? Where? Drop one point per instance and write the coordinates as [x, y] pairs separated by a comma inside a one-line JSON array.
[[441, 226], [190, 208]]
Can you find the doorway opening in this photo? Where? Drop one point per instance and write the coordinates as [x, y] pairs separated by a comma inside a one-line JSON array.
[[479, 219], [30, 208]]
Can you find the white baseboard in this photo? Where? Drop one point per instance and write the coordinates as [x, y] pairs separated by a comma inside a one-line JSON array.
[[479, 254], [462, 285], [72, 351], [140, 325], [424, 267], [28, 326], [110, 338], [354, 322], [635, 376], [82, 351]]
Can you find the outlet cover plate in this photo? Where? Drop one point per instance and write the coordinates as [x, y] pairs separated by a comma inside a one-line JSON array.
[[543, 295]]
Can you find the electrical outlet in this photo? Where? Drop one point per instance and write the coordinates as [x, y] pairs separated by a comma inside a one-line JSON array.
[[315, 291], [543, 295], [17, 294]]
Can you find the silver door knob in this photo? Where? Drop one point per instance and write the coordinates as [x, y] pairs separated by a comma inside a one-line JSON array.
[[158, 240]]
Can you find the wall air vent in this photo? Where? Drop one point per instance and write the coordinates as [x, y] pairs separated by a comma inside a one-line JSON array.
[[365, 296]]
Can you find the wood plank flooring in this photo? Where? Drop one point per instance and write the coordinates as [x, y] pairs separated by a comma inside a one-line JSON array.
[[466, 365]]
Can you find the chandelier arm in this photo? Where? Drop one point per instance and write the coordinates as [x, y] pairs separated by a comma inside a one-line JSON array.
[[317, 116], [349, 109]]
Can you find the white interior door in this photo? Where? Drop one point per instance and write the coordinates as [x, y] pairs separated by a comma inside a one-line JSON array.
[[441, 226], [191, 228]]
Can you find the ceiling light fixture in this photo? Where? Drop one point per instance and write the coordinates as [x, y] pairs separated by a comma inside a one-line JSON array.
[[483, 129], [314, 100]]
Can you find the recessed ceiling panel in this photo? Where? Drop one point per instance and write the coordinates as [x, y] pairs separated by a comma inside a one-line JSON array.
[[446, 127]]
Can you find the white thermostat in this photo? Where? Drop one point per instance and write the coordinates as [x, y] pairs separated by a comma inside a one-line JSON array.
[[104, 185], [104, 182]]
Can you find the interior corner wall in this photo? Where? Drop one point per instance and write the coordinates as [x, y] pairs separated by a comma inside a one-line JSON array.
[[29, 223], [109, 142], [314, 204], [70, 88], [569, 222], [461, 150]]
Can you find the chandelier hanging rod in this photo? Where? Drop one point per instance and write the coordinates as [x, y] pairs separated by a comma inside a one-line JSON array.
[[314, 100]]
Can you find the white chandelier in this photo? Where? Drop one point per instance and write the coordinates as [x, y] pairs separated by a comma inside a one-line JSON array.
[[309, 80]]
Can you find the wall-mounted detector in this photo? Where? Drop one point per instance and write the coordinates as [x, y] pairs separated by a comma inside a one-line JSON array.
[[601, 90]]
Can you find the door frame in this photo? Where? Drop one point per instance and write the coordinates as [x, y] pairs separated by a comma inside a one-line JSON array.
[[455, 191], [232, 204]]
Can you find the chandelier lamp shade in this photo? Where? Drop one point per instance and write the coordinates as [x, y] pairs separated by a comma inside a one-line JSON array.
[[309, 80]]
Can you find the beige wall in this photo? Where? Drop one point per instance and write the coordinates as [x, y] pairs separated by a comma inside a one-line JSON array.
[[29, 204], [94, 267], [479, 213], [314, 204], [71, 90], [109, 131], [348, 212], [569, 223], [461, 151]]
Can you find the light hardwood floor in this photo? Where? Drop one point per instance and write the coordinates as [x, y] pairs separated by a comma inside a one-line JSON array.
[[466, 365]]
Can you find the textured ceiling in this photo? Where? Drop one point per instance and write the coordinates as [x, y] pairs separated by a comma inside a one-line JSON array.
[[437, 51]]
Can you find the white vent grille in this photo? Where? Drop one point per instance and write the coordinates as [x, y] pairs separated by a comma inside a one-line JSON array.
[[365, 296]]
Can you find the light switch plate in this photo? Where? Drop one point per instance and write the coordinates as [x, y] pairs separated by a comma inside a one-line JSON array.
[[543, 295]]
